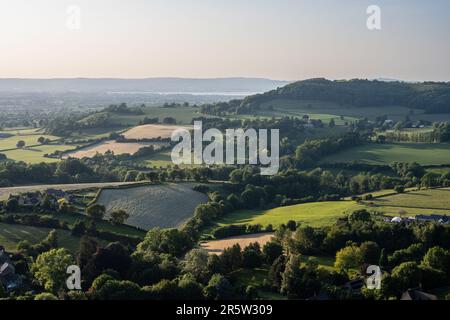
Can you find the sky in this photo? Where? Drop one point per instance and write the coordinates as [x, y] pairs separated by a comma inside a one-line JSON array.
[[277, 39]]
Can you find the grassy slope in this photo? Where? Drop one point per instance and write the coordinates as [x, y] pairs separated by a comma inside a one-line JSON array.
[[34, 154], [181, 114], [30, 139], [317, 214], [314, 214], [427, 201], [12, 234], [425, 154], [328, 108]]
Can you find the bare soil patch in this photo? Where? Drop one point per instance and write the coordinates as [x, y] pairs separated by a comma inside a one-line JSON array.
[[151, 131], [217, 246]]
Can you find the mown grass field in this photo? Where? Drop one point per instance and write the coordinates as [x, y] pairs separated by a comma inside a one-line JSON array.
[[424, 154], [317, 214], [33, 152], [168, 205], [36, 154], [314, 214], [12, 234], [161, 159], [29, 136], [427, 201]]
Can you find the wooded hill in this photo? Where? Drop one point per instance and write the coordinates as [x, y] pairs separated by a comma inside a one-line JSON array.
[[432, 97]]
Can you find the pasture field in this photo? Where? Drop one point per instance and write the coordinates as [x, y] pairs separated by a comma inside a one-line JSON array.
[[21, 131], [29, 139], [163, 159], [9, 138], [110, 145], [438, 170], [102, 225], [36, 154], [12, 234], [183, 115], [427, 201], [33, 152], [255, 277], [6, 191], [328, 108], [166, 206], [150, 131], [314, 214], [160, 159], [95, 133], [217, 246], [372, 153]]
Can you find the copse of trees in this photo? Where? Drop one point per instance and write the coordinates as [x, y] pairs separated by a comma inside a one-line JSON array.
[[310, 152], [96, 211]]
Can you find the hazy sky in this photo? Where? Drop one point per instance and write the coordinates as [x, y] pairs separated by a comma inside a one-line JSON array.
[[280, 39]]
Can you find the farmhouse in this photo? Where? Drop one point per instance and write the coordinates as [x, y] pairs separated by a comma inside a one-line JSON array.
[[59, 194], [8, 277], [33, 199], [444, 219]]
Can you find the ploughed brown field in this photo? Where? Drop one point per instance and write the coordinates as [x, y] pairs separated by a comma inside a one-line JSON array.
[[217, 246], [116, 147]]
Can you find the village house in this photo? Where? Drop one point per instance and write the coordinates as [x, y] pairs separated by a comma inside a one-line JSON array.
[[443, 219], [36, 198], [8, 277]]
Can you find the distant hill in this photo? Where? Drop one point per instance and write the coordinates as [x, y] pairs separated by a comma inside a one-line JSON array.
[[154, 85], [433, 97]]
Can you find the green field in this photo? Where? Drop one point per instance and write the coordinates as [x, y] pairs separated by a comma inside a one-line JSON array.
[[29, 136], [102, 225], [161, 159], [36, 154], [328, 108], [317, 214], [12, 234], [314, 214], [95, 133], [395, 113], [378, 154], [427, 201], [33, 152], [183, 115]]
